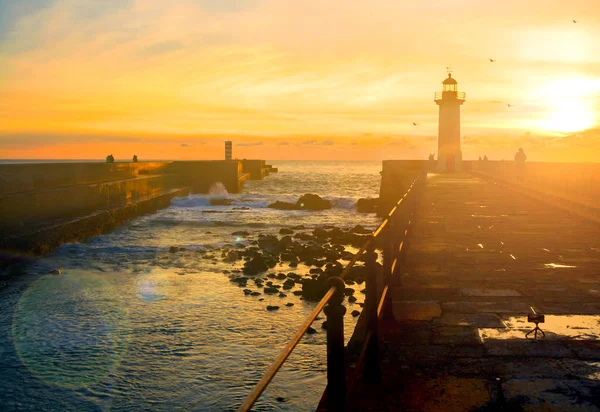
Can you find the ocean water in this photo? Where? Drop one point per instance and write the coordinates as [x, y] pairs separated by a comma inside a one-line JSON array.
[[129, 326]]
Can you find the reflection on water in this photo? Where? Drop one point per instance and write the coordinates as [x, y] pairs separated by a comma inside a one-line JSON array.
[[557, 265], [556, 327], [131, 326]]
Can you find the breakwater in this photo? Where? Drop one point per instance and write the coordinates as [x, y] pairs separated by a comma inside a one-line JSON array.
[[43, 205]]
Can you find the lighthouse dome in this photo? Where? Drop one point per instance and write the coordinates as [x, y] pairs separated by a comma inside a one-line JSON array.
[[449, 80]]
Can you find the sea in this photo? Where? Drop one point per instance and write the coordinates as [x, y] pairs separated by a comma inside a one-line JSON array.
[[121, 323]]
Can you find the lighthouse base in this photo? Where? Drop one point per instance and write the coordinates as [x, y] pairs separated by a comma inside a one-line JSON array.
[[449, 163]]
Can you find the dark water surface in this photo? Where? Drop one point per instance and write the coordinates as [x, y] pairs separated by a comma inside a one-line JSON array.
[[128, 326]]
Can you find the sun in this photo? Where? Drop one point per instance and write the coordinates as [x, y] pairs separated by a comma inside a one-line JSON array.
[[569, 104], [569, 117]]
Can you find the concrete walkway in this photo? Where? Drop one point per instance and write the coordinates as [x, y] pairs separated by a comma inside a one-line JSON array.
[[479, 258]]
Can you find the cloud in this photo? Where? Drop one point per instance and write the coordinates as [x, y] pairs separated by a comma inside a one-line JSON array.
[[327, 142], [227, 6], [283, 143], [184, 145], [250, 144], [160, 48]]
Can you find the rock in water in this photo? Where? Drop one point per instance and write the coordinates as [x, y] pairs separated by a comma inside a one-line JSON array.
[[367, 205], [272, 307], [305, 202], [313, 202], [282, 206], [314, 290]]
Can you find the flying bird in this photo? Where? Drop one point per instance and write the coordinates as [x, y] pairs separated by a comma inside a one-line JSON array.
[[415, 124], [509, 105], [575, 21], [492, 61]]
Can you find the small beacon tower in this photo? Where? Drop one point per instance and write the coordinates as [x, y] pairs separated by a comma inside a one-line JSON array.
[[228, 150], [449, 100]]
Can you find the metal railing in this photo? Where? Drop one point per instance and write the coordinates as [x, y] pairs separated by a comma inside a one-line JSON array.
[[445, 95], [336, 391]]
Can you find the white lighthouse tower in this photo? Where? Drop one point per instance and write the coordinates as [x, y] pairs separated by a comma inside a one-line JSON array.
[[449, 100]]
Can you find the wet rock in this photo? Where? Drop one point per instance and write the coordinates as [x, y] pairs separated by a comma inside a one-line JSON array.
[[360, 230], [241, 281], [255, 265], [270, 243], [270, 290], [232, 256], [297, 292], [313, 202], [303, 236], [311, 331], [281, 276], [221, 202], [241, 208], [240, 233], [261, 299], [282, 206], [315, 270], [348, 291], [289, 304], [285, 231], [352, 299], [255, 294], [55, 272], [299, 227], [367, 205], [288, 256], [281, 399], [293, 264], [289, 282], [271, 308], [314, 289], [247, 292], [355, 313], [173, 249], [271, 275], [324, 325], [349, 282], [282, 295]]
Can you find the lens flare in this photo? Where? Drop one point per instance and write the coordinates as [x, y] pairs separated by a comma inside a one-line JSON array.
[[69, 329]]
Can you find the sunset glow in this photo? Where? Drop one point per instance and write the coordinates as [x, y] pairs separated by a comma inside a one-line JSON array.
[[295, 80]]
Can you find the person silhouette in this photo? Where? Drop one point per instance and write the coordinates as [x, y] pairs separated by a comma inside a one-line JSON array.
[[135, 159], [485, 158], [480, 159], [520, 159]]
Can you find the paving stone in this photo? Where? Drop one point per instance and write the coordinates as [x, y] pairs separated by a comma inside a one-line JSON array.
[[455, 335], [547, 395], [446, 393], [486, 307], [479, 320], [406, 310], [527, 347], [489, 292]]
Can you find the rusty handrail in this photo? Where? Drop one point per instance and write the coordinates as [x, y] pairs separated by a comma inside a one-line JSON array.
[[259, 388], [283, 355]]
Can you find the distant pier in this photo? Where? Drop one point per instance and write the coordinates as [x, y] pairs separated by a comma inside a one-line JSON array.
[[43, 205]]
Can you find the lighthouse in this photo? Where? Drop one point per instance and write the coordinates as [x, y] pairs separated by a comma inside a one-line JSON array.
[[449, 101]]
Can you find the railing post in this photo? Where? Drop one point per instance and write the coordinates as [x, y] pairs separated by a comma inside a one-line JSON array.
[[372, 370], [336, 364]]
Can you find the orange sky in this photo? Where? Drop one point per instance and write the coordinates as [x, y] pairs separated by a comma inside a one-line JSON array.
[[296, 79]]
